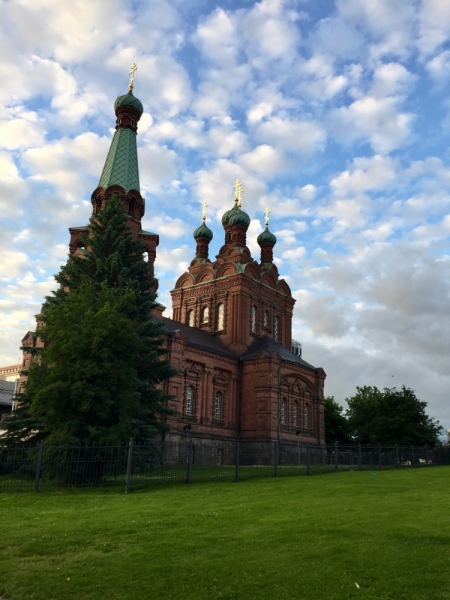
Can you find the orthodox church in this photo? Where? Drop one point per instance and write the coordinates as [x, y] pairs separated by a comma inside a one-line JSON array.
[[230, 338]]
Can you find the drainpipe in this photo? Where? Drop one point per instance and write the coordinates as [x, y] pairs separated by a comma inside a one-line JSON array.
[[239, 398], [166, 383], [279, 400]]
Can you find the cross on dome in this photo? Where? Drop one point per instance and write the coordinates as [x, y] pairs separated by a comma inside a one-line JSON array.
[[204, 205], [131, 74], [238, 192], [266, 214]]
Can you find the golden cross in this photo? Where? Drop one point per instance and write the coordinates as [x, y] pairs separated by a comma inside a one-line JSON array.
[[266, 214], [204, 205], [238, 192], [131, 73]]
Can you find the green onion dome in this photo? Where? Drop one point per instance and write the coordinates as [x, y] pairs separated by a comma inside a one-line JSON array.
[[203, 232], [239, 218], [230, 213], [129, 100], [266, 237]]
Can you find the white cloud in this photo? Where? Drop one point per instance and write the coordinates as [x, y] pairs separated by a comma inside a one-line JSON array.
[[377, 121], [264, 160], [292, 135]]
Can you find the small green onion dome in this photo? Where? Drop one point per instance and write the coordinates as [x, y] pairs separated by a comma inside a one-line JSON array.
[[230, 213], [203, 232], [239, 218], [129, 100], [266, 237]]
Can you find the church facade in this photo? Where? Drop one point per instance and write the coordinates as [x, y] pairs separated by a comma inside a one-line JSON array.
[[230, 337]]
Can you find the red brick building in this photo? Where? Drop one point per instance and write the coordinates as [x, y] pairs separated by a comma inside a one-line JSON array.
[[231, 333]]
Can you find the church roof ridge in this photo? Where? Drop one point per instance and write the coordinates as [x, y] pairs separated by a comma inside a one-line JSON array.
[[197, 338], [269, 346]]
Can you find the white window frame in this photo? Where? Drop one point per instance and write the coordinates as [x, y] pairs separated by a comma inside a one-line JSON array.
[[218, 406], [220, 317], [189, 408]]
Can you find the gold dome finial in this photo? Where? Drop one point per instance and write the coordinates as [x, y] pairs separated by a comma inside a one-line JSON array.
[[131, 74], [238, 190], [266, 214], [204, 205]]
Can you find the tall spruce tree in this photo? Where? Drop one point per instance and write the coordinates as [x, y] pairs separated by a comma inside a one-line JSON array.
[[99, 376]]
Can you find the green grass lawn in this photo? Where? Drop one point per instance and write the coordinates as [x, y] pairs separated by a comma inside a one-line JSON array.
[[286, 538]]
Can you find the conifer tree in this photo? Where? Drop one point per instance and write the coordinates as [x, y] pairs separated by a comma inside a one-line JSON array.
[[99, 376]]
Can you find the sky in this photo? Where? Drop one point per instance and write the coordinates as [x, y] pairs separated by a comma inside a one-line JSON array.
[[334, 114]]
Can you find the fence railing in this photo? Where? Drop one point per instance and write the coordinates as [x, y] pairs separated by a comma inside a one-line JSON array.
[[133, 465]]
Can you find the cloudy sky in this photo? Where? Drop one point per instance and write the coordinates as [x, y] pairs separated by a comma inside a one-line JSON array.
[[335, 114]]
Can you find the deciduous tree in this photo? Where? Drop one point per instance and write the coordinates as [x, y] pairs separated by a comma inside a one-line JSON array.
[[390, 416]]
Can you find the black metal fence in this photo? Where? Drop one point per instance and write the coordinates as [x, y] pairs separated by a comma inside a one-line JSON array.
[[134, 465]]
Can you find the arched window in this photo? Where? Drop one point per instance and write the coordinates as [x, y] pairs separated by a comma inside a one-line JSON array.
[[220, 317], [189, 410], [218, 406], [277, 329], [229, 237], [205, 314], [306, 423], [266, 319], [295, 414], [254, 314], [191, 318], [283, 411]]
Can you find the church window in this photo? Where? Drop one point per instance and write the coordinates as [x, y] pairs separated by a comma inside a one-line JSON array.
[[220, 317], [205, 314], [254, 315], [189, 401], [295, 414], [283, 412], [277, 329], [218, 406], [266, 319], [229, 236], [133, 122], [191, 318], [306, 419]]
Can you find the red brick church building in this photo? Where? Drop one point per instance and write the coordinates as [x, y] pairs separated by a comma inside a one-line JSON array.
[[230, 337]]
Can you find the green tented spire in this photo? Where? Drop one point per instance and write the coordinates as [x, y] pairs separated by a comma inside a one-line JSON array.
[[121, 166]]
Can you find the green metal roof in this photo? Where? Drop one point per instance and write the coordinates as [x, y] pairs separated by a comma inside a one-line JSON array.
[[121, 166], [129, 100]]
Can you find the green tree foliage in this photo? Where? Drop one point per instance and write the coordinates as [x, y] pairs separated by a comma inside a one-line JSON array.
[[390, 416], [98, 377], [336, 424]]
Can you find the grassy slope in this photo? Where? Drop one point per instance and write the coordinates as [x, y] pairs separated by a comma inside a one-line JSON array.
[[302, 537]]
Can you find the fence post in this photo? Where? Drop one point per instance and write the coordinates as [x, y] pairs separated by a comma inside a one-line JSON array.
[[397, 460], [379, 456], [308, 459], [426, 455], [439, 453], [129, 465], [38, 467], [275, 459], [359, 456], [412, 457], [189, 463], [336, 456], [238, 453]]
